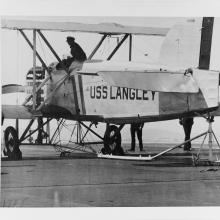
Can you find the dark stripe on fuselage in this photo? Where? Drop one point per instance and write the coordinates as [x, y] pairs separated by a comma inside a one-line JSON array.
[[75, 94], [81, 94]]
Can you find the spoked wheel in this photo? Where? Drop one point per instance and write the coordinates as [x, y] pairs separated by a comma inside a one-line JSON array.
[[112, 141], [12, 144]]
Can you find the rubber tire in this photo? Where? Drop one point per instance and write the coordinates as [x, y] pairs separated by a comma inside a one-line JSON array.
[[112, 145], [14, 153]]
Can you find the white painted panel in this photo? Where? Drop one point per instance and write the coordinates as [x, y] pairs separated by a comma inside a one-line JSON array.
[[101, 99]]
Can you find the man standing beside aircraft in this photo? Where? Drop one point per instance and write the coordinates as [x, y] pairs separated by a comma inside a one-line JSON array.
[[136, 128], [187, 124]]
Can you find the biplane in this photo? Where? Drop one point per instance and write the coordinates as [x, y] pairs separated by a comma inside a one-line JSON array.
[[116, 93]]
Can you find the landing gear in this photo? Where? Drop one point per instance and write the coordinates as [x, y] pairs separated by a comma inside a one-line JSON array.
[[112, 141], [64, 154], [12, 144]]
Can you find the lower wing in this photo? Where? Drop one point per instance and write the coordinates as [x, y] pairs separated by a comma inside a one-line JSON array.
[[16, 111]]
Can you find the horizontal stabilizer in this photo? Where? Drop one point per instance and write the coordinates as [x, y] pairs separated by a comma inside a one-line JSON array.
[[163, 81], [217, 112], [208, 84]]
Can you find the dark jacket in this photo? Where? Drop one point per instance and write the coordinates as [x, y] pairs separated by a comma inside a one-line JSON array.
[[77, 52]]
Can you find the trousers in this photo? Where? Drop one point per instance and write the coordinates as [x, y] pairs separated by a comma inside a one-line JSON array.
[[138, 131]]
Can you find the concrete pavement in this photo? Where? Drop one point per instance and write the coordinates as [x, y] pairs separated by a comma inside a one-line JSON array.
[[83, 180]]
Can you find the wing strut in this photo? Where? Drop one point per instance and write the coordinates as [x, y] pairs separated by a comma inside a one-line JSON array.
[[34, 70], [24, 137], [118, 46], [50, 47], [97, 47], [32, 47], [43, 64], [67, 74], [52, 93], [43, 83], [130, 47], [37, 89], [26, 130]]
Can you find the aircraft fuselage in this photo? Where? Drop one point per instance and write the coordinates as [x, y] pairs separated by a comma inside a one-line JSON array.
[[96, 98]]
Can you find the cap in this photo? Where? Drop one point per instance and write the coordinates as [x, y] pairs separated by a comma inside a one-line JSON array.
[[70, 39]]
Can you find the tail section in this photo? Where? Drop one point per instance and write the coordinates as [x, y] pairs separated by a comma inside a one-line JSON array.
[[181, 46], [188, 44]]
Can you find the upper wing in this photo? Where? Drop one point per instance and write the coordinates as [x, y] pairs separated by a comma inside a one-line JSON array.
[[16, 111], [109, 28]]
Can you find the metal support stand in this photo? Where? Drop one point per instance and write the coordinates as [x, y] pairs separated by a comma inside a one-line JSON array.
[[211, 137]]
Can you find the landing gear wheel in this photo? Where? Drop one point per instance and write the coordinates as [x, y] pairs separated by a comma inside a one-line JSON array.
[[12, 144], [112, 141], [195, 160]]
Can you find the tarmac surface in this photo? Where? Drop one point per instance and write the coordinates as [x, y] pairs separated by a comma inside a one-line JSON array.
[[43, 179]]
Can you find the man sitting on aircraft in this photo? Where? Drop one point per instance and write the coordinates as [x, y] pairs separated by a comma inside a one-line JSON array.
[[76, 51], [136, 128], [78, 56]]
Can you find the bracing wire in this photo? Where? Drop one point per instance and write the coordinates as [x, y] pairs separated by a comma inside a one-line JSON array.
[[18, 66], [65, 145], [42, 48], [108, 49]]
